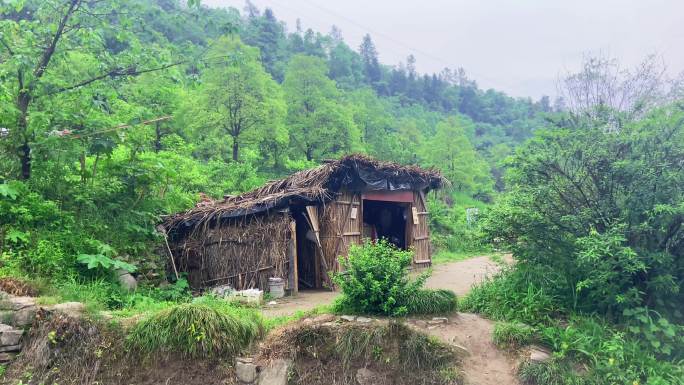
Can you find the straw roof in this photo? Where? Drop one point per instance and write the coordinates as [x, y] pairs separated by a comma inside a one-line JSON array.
[[318, 184]]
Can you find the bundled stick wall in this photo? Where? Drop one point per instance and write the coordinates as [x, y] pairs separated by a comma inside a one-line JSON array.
[[241, 252]]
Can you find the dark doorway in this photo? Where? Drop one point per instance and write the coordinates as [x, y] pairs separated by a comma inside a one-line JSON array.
[[385, 220], [307, 266]]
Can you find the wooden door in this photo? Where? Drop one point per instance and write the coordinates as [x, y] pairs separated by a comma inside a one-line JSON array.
[[420, 236], [341, 227]]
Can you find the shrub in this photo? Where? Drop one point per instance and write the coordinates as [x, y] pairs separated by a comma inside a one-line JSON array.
[[207, 327], [426, 301], [512, 335], [550, 373], [375, 280]]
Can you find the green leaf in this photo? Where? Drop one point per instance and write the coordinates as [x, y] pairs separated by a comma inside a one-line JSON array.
[[8, 191]]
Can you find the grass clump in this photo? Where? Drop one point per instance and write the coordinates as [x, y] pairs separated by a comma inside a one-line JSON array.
[[550, 373], [207, 327], [427, 301], [512, 335]]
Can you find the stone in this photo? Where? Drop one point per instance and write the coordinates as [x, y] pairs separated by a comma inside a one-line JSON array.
[[363, 320], [245, 370], [365, 376], [11, 337], [276, 373], [421, 324], [14, 303], [323, 318], [460, 350], [222, 290], [24, 317], [348, 318], [10, 348], [7, 357], [272, 303], [128, 282], [438, 321], [73, 309], [539, 354]]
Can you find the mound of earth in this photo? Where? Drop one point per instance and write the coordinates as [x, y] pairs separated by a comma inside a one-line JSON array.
[[358, 350]]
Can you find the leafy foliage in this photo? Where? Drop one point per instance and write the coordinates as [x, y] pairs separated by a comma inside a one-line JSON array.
[[375, 281], [512, 335]]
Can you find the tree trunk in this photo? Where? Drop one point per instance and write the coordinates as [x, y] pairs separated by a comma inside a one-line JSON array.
[[236, 149], [158, 137], [25, 157], [23, 101], [309, 153]]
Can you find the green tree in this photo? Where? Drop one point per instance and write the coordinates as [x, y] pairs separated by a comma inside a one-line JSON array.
[[451, 151], [238, 97], [320, 124]]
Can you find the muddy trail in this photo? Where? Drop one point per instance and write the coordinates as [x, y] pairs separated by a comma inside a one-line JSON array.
[[484, 364]]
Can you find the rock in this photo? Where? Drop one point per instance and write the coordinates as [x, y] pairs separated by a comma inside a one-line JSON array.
[[11, 336], [24, 317], [73, 309], [14, 303], [539, 354], [438, 321], [245, 370], [276, 373], [461, 350], [348, 318], [10, 348], [363, 320], [272, 303], [323, 318], [365, 376], [128, 282], [7, 357]]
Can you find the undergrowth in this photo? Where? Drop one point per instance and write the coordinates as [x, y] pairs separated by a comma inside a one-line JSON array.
[[512, 335], [427, 301], [206, 327]]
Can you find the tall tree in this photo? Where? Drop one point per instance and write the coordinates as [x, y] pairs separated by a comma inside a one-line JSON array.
[[238, 96], [369, 57], [320, 125]]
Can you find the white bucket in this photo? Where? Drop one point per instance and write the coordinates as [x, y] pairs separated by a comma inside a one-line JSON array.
[[276, 287]]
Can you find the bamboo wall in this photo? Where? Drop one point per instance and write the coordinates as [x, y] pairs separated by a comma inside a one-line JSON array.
[[242, 253]]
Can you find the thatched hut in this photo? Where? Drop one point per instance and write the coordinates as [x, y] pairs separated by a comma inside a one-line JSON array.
[[296, 227]]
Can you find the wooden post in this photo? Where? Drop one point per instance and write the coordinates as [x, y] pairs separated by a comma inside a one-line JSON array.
[[293, 257]]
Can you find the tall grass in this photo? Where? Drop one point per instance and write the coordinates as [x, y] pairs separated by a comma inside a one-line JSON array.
[[207, 327], [426, 301]]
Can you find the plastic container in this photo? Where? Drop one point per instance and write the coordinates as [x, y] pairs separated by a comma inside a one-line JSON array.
[[276, 287]]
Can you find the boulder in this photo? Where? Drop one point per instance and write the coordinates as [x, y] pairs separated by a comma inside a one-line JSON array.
[[7, 357], [348, 318], [128, 281], [24, 317], [276, 373], [363, 320], [438, 321], [323, 318], [14, 303], [539, 354]]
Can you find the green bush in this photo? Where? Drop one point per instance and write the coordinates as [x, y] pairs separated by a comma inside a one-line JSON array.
[[426, 301], [512, 335], [207, 327], [375, 280]]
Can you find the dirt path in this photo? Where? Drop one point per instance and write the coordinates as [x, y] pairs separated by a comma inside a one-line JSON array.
[[484, 364]]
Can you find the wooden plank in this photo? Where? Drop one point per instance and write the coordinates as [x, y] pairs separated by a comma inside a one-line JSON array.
[[422, 261], [348, 203], [352, 233], [422, 237], [295, 268]]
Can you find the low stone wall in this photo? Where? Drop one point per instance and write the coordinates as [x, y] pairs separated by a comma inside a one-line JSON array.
[[17, 314]]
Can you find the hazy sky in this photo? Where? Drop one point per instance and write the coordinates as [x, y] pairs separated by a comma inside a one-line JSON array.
[[517, 46]]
